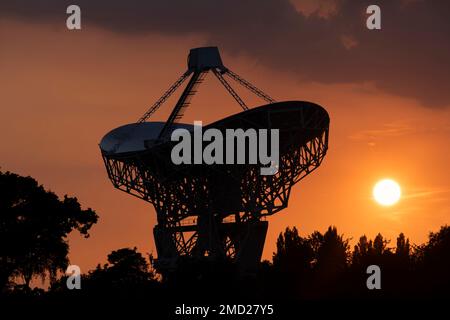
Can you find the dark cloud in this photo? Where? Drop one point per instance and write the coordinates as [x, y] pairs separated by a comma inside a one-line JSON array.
[[408, 57]]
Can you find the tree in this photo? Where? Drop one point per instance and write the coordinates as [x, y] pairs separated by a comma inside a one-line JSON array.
[[433, 260], [361, 251], [333, 251], [129, 266], [437, 248], [292, 263], [380, 246], [126, 271], [35, 223], [294, 253], [403, 247]]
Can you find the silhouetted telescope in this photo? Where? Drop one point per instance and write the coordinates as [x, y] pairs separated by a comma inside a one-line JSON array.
[[214, 211]]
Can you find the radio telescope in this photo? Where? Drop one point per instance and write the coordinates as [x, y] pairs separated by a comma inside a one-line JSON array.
[[213, 212]]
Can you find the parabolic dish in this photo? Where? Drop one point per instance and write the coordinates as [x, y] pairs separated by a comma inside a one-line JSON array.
[[132, 137], [214, 208], [146, 170], [305, 118]]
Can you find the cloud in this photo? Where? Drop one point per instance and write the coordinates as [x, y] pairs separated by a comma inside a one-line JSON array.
[[322, 8], [408, 57], [439, 125], [427, 194], [394, 129]]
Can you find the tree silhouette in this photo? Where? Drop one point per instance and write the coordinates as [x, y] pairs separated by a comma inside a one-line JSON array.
[[294, 253], [126, 270], [380, 246], [129, 266], [403, 248], [433, 263], [35, 223], [361, 251], [292, 262], [333, 252], [368, 252]]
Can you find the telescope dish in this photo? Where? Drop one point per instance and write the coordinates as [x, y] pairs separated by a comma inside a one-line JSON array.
[[132, 137], [217, 211]]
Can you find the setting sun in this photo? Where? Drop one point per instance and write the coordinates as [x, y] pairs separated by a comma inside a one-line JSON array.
[[387, 192]]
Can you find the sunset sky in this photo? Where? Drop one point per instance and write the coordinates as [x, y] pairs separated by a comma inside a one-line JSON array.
[[387, 92]]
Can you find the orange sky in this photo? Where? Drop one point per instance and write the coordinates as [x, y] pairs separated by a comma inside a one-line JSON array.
[[62, 91]]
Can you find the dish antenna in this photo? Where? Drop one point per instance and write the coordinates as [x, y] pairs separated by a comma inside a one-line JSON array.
[[214, 212]]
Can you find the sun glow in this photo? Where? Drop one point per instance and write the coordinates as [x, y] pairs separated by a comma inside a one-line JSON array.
[[387, 192]]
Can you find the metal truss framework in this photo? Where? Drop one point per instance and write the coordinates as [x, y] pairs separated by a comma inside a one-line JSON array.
[[218, 210], [190, 90]]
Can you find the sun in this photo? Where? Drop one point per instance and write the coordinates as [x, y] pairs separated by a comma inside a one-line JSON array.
[[387, 192]]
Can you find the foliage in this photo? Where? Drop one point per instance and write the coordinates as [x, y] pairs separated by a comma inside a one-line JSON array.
[[34, 225]]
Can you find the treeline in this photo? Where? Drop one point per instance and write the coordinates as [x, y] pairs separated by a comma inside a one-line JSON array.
[[35, 223], [315, 267], [323, 266]]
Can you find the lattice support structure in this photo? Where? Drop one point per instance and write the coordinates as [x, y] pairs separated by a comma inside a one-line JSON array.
[[217, 211]]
